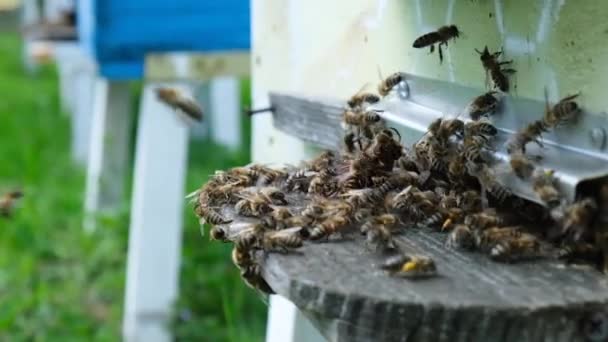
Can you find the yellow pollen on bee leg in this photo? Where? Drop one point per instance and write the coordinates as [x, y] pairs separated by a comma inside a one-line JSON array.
[[408, 266]]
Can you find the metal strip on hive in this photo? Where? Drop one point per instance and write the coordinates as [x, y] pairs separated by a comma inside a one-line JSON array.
[[569, 150]]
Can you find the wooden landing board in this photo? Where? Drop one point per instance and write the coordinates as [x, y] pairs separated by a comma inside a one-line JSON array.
[[339, 285]]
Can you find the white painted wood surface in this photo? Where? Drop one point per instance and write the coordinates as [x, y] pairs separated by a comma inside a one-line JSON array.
[[108, 164], [225, 111], [156, 221], [287, 324], [71, 61], [84, 85]]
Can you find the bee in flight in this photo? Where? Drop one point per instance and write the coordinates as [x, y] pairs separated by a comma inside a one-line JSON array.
[[439, 37], [181, 102], [8, 202]]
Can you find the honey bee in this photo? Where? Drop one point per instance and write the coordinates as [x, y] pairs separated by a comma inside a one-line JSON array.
[[360, 98], [274, 196], [349, 142], [544, 185], [443, 129], [488, 181], [524, 246], [581, 252], [494, 68], [252, 207], [470, 201], [577, 218], [281, 242], [461, 237], [531, 133], [484, 219], [8, 202], [386, 149], [521, 165], [485, 104], [253, 278], [379, 231], [440, 37], [451, 215], [561, 113], [278, 219], [313, 211], [218, 233], [407, 163], [486, 239], [390, 82], [360, 119], [323, 184], [181, 102], [323, 161], [410, 266], [329, 226], [241, 256], [209, 215], [481, 128]]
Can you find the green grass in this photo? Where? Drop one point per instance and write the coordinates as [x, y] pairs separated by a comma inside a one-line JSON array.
[[58, 283]]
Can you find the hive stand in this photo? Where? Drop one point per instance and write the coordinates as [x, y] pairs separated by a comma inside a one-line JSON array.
[[159, 175]]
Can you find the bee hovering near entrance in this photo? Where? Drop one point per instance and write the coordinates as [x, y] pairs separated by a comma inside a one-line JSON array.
[[439, 37]]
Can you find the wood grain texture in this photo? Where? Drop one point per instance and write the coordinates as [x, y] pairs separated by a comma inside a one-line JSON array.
[[339, 285]]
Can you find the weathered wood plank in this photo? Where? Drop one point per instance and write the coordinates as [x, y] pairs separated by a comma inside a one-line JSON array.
[[339, 285]]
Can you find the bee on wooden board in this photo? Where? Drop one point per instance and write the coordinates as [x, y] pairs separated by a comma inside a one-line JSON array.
[[544, 185], [181, 102], [379, 231], [524, 246], [252, 276], [440, 37], [8, 201], [498, 74], [484, 219], [387, 84], [581, 252], [483, 105], [329, 226], [521, 164], [281, 241], [361, 98], [566, 110], [461, 237], [410, 266], [530, 133], [211, 216], [577, 218]]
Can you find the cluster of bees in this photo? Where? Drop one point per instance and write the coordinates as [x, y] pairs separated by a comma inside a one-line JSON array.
[[378, 188]]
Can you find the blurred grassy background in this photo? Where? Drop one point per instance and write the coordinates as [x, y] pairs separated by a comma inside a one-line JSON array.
[[58, 283]]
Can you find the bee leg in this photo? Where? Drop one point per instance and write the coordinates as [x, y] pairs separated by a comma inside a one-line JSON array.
[[571, 97], [440, 53], [508, 71], [432, 48], [359, 138], [488, 80]]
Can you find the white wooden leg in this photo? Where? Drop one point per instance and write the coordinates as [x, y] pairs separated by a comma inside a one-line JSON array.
[[225, 111], [83, 114], [108, 163], [156, 221], [287, 324], [70, 59]]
